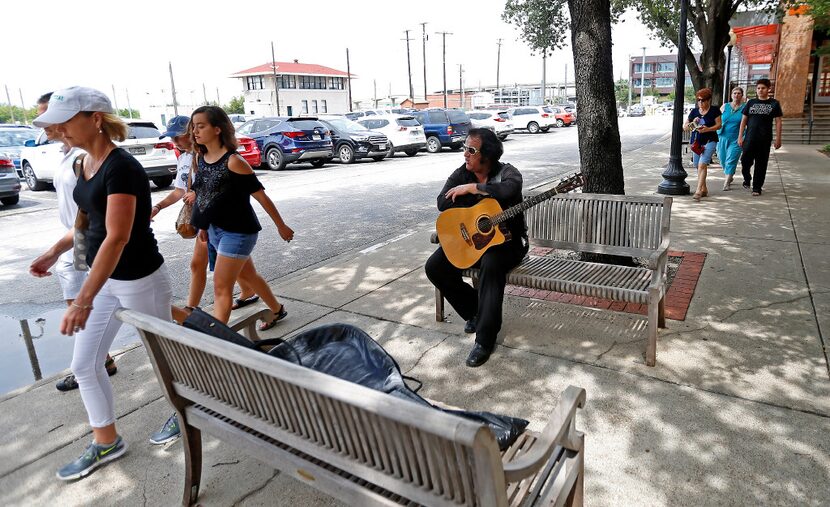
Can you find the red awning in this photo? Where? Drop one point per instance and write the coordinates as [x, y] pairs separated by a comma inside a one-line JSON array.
[[757, 44]]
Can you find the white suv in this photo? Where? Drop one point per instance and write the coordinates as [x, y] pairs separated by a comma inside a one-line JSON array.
[[497, 121], [40, 158], [532, 118], [403, 131]]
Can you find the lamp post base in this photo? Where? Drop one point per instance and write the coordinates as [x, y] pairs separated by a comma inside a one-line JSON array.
[[674, 179]]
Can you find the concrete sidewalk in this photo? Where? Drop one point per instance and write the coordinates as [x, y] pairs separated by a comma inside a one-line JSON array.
[[737, 410]]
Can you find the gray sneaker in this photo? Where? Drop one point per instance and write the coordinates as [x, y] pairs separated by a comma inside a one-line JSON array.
[[169, 432], [94, 456]]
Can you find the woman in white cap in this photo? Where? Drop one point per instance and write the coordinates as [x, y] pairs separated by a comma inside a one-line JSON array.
[[126, 268]]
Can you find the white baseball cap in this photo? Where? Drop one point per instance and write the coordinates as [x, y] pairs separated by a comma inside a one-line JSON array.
[[65, 104]]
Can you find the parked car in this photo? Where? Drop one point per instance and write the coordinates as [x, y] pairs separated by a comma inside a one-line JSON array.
[[404, 132], [9, 182], [237, 119], [533, 118], [41, 157], [284, 140], [249, 150], [356, 115], [444, 127], [496, 120], [563, 118], [353, 141], [12, 140], [636, 110]]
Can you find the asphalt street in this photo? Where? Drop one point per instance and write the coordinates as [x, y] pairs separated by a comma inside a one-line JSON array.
[[333, 209]]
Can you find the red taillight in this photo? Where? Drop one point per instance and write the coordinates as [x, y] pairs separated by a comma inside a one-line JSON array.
[[6, 164], [545, 115], [296, 150], [402, 129], [449, 130], [499, 119], [164, 146], [294, 135]]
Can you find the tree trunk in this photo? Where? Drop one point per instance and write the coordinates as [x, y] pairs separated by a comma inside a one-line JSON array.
[[599, 134]]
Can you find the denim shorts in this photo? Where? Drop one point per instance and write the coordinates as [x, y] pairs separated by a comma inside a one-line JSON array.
[[706, 156], [236, 245]]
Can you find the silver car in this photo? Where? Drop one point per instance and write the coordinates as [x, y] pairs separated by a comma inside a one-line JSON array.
[[497, 121], [9, 182]]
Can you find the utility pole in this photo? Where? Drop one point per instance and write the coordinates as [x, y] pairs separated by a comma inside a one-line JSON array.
[[630, 81], [566, 83], [204, 93], [498, 63], [276, 84], [173, 89], [409, 67], [642, 76], [9, 100], [349, 78], [375, 99], [444, 48], [23, 105], [424, 38], [218, 103], [461, 83], [114, 99], [544, 75], [129, 107]]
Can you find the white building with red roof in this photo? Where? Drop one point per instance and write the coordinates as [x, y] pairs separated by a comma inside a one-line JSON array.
[[305, 89]]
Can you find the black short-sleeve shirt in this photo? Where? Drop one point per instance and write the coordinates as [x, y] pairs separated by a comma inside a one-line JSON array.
[[709, 120], [759, 115], [120, 174]]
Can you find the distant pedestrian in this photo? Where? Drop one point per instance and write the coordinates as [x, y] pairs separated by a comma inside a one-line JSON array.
[[224, 184], [728, 150], [64, 181], [126, 268], [755, 135], [704, 120]]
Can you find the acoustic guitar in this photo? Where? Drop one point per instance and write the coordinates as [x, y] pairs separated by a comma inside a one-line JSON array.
[[466, 233]]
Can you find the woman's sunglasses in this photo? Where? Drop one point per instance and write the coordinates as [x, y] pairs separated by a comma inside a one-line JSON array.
[[472, 150]]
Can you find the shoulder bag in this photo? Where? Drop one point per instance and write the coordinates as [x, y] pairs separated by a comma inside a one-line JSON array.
[[79, 244], [183, 225]]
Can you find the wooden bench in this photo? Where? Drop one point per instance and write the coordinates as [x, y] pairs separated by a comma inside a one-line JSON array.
[[635, 226], [358, 445]]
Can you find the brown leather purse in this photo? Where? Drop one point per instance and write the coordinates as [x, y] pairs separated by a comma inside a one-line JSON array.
[[183, 225]]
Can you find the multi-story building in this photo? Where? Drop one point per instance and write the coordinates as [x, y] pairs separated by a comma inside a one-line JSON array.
[[654, 76], [304, 89]]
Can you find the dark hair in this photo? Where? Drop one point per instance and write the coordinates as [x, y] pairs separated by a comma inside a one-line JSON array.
[[491, 147], [764, 81], [704, 94], [216, 117], [44, 99]]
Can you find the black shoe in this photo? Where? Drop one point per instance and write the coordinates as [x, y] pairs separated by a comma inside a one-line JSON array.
[[478, 356], [470, 326], [69, 382], [746, 185]]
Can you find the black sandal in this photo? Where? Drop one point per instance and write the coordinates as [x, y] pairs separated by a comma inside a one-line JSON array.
[[265, 326], [240, 302]]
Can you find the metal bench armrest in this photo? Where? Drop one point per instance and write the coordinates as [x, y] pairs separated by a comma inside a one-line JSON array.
[[560, 430]]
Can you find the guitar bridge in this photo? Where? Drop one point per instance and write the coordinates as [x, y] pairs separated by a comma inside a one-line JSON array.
[[466, 235]]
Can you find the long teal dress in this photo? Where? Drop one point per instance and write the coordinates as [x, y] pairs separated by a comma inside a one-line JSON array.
[[728, 150]]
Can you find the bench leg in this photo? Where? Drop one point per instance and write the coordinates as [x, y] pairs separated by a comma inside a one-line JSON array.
[[653, 311], [439, 306], [192, 441], [576, 496], [661, 313]]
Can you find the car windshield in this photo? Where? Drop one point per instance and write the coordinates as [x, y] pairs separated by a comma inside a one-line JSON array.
[[347, 125], [143, 132], [408, 122], [304, 124], [458, 116], [504, 115], [16, 137], [479, 116]]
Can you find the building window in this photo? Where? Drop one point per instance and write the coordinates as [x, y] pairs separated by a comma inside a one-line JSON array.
[[665, 67], [305, 107], [254, 83], [314, 107], [638, 68], [312, 83], [287, 81], [665, 82], [290, 110], [336, 83], [324, 108]]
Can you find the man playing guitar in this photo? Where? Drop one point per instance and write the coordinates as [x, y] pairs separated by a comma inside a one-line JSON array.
[[482, 176]]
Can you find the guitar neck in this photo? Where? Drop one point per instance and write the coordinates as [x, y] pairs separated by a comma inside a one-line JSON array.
[[526, 204]]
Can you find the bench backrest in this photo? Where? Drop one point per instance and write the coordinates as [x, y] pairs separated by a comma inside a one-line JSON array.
[[425, 455], [600, 223]]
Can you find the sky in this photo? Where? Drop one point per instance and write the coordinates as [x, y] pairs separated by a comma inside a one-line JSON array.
[[106, 45]]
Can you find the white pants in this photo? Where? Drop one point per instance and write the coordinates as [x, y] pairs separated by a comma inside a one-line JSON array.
[[152, 295]]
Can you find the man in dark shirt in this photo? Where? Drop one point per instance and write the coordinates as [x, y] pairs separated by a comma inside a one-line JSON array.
[[481, 176], [755, 135]]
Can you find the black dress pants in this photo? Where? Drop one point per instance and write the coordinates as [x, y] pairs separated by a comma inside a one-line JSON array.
[[755, 151], [486, 302]]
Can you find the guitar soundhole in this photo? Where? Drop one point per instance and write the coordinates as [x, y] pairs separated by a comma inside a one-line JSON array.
[[484, 224]]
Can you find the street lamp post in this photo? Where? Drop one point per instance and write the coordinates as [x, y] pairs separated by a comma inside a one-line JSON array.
[[674, 176], [726, 90]]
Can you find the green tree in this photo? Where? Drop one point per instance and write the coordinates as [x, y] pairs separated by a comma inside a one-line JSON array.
[[540, 23], [21, 116], [129, 113], [235, 106], [621, 90]]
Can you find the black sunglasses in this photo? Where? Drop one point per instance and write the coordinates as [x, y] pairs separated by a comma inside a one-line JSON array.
[[472, 150]]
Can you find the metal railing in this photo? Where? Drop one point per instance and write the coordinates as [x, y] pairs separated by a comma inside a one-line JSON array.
[[810, 111]]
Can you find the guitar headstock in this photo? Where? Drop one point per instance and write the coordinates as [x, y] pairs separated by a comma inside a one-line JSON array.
[[572, 182]]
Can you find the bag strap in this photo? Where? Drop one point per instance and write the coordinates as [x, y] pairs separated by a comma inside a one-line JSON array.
[[190, 174], [78, 164]]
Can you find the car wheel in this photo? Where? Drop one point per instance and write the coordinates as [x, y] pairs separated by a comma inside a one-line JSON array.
[[545, 129], [411, 153], [320, 162], [8, 201], [34, 184], [533, 127], [433, 144], [274, 159], [162, 181], [455, 147], [346, 154], [560, 123]]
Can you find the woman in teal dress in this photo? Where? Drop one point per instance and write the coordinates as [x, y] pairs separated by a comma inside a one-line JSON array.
[[728, 150]]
